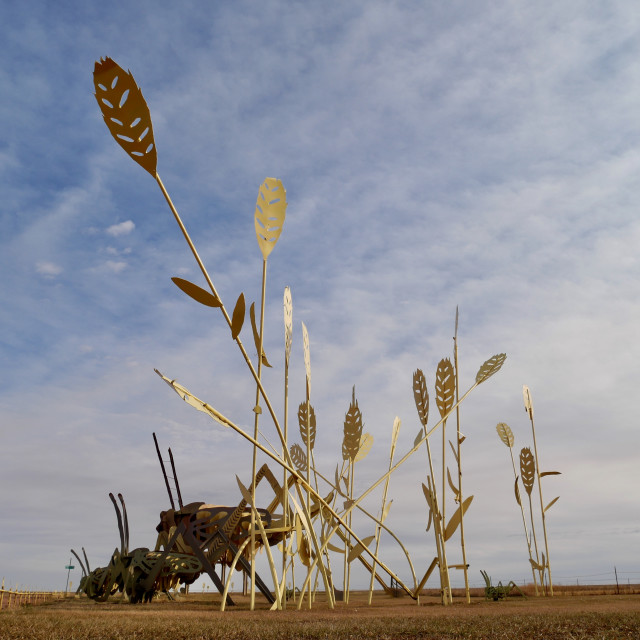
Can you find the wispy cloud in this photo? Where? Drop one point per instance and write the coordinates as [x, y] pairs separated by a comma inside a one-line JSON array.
[[121, 229], [48, 269], [115, 266]]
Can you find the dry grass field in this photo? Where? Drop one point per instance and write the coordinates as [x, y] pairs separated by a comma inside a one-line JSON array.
[[566, 615]]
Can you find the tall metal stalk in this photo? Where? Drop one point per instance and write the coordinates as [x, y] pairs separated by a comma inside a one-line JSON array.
[[459, 439], [528, 404]]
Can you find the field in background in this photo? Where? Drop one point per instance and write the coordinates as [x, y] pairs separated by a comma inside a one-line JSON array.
[[587, 615]]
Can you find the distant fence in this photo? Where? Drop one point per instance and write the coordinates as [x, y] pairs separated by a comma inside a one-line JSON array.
[[17, 598]]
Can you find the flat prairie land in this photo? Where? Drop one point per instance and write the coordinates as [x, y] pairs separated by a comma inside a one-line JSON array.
[[612, 617]]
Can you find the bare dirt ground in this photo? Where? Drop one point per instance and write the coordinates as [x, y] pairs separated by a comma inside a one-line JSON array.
[[612, 617]]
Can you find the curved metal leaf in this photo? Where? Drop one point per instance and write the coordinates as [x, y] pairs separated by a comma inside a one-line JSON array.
[[427, 495], [491, 366], [516, 488], [359, 548], [125, 112], [385, 513], [455, 453], [456, 518], [237, 320], [271, 208], [505, 433], [197, 293], [455, 489], [256, 334], [550, 473], [551, 503]]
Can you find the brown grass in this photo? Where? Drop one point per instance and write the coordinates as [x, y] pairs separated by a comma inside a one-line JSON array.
[[197, 617]]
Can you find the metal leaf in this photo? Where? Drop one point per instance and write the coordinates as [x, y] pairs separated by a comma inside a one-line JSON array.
[[455, 489], [427, 495], [491, 366], [455, 453], [551, 503], [271, 208], [237, 319], [256, 334], [125, 112], [197, 293], [550, 473], [456, 518], [418, 438], [385, 513], [359, 548], [517, 491]]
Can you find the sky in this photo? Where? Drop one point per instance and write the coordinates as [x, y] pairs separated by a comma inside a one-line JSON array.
[[481, 156]]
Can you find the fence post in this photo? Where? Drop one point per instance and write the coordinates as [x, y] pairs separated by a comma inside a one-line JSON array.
[[2, 594]]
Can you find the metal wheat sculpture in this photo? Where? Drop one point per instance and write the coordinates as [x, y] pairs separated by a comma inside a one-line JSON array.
[[127, 116], [384, 508], [528, 405], [506, 435], [458, 456], [529, 473]]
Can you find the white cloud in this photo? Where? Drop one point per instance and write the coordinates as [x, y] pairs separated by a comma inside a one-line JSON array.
[[48, 269], [121, 229], [115, 266]]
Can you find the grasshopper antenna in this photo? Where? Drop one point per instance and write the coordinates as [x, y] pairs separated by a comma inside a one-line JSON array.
[[126, 523], [175, 478], [164, 473], [84, 571], [115, 505]]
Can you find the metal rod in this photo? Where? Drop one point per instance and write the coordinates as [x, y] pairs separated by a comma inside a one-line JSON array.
[[175, 478], [164, 472]]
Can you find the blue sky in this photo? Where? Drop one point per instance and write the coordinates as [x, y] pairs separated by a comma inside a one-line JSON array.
[[482, 155]]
